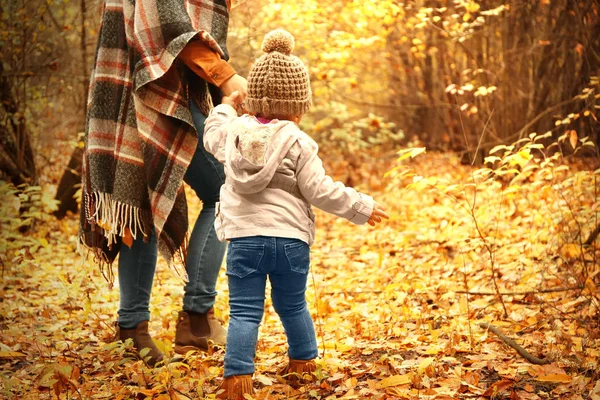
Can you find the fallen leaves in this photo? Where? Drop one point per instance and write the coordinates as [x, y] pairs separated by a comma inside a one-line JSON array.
[[394, 380], [394, 311]]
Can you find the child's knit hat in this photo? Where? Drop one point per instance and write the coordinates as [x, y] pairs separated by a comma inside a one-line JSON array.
[[278, 83]]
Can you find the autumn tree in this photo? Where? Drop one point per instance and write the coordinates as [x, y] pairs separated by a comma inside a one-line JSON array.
[[44, 85], [453, 74]]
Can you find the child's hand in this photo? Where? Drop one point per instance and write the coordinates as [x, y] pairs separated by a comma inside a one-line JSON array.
[[377, 214], [235, 100]]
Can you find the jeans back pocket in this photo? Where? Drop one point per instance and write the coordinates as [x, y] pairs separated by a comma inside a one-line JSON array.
[[244, 259], [298, 255]]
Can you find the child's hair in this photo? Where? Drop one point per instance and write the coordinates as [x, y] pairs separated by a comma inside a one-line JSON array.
[[278, 83]]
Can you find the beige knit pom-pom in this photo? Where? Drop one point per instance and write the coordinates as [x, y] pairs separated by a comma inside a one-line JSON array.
[[278, 40]]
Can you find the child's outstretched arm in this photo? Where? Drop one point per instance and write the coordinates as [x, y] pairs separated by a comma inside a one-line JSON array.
[[333, 197]]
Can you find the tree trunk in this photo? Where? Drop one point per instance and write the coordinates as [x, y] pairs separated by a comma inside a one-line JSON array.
[[69, 183], [17, 164]]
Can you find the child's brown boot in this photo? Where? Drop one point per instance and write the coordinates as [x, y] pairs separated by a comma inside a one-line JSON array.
[[235, 387], [299, 372]]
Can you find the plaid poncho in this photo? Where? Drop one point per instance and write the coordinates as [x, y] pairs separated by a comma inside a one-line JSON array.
[[139, 132]]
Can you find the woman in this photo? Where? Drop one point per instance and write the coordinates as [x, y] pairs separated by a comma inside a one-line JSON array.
[[158, 70]]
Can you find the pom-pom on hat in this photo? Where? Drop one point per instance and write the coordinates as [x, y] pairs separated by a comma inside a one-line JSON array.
[[278, 83]]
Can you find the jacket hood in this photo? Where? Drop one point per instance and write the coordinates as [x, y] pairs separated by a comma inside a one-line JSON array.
[[254, 150]]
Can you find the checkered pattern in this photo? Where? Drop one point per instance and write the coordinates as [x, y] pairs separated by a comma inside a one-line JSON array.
[[140, 137]]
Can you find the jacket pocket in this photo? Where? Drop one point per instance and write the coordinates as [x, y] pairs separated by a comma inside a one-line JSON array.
[[298, 255], [244, 259]]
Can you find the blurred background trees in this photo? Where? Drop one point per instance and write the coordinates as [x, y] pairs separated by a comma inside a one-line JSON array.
[[46, 49], [444, 72], [452, 75]]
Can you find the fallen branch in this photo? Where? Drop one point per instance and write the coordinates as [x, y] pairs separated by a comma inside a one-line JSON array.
[[522, 352], [554, 290]]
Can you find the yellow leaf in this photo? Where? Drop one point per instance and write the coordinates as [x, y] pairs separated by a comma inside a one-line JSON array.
[[265, 380], [43, 242], [472, 7], [573, 139], [570, 251], [11, 354], [463, 305], [557, 378], [426, 362], [147, 392], [351, 382], [412, 153], [595, 393], [395, 380], [501, 147]]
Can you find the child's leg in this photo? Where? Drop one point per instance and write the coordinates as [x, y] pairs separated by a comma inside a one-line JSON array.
[[246, 302], [288, 281]]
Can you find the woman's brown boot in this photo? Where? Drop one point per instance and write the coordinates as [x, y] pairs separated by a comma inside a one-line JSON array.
[[235, 387], [141, 340], [299, 372], [195, 330]]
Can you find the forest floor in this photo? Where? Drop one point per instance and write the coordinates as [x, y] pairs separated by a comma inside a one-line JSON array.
[[397, 309]]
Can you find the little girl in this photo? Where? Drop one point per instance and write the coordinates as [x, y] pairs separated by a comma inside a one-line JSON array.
[[273, 175]]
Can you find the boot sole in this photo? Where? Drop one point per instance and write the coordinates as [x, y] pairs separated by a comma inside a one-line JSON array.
[[179, 349]]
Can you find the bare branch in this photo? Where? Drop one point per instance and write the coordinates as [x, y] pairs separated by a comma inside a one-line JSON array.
[[522, 352]]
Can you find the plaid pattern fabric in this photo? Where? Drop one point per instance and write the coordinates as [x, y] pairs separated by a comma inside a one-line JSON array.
[[139, 131]]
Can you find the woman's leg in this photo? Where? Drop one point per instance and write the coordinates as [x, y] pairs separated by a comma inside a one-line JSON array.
[[137, 265], [205, 175], [136, 275], [246, 261], [288, 282]]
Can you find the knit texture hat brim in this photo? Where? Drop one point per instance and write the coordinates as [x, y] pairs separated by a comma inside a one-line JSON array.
[[278, 107]]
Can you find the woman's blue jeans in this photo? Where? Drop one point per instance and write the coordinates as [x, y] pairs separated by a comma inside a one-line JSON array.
[[137, 264], [286, 262]]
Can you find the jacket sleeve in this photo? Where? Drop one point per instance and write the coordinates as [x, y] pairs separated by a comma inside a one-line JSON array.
[[321, 191], [206, 63], [215, 130]]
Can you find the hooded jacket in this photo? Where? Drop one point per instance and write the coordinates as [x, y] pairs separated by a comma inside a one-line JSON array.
[[273, 175]]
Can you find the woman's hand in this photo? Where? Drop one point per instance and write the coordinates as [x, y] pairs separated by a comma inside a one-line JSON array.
[[377, 214], [235, 83]]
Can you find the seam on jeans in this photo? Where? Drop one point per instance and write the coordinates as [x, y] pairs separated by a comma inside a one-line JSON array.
[[197, 266], [137, 292], [138, 279], [274, 254]]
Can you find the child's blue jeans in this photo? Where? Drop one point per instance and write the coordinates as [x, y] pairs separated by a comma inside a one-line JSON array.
[[286, 262]]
